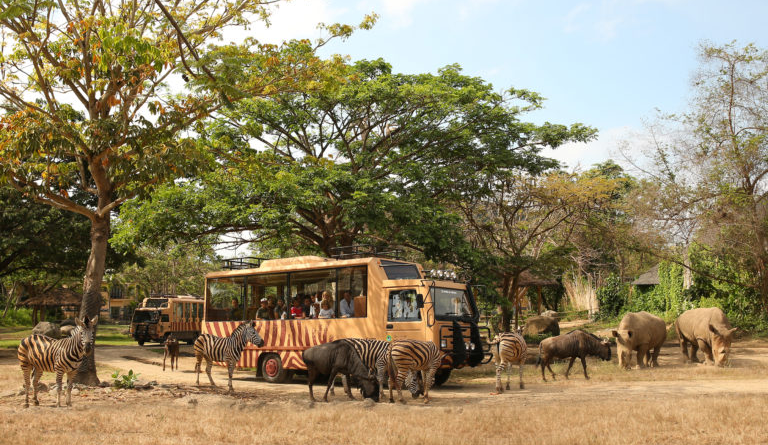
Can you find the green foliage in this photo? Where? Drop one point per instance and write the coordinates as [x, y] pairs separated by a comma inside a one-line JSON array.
[[17, 317], [668, 297], [612, 297], [536, 339], [124, 381]]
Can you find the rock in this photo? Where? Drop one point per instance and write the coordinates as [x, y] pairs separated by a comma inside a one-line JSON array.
[[42, 387], [192, 401], [66, 331], [68, 322], [105, 384], [541, 325], [75, 391], [551, 313], [48, 329], [6, 394], [369, 403]]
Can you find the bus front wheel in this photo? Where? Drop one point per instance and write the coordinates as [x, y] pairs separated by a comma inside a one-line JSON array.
[[272, 369], [441, 376]]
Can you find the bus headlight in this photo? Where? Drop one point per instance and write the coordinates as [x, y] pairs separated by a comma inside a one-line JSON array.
[[443, 343]]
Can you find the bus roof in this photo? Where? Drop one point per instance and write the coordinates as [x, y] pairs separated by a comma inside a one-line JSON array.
[[301, 263]]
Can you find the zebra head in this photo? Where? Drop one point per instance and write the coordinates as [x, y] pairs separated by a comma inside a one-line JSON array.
[[414, 383], [252, 335], [86, 333]]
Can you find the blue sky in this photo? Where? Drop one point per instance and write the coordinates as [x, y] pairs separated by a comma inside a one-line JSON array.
[[605, 63]]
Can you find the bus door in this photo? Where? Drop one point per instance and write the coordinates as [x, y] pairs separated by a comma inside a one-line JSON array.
[[404, 319]]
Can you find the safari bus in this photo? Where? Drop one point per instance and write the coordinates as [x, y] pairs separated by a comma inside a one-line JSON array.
[[373, 295], [162, 315]]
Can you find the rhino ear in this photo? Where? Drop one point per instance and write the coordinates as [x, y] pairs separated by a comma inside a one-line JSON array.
[[615, 333], [732, 331], [714, 330]]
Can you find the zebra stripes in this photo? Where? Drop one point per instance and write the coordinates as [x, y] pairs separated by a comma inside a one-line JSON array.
[[224, 349], [38, 353], [413, 355], [374, 354], [508, 347]]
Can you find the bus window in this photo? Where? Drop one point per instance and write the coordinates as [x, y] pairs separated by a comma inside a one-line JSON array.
[[164, 318], [273, 287], [199, 311], [450, 302], [352, 292], [309, 285], [225, 299], [186, 312], [400, 271], [176, 312], [402, 306]]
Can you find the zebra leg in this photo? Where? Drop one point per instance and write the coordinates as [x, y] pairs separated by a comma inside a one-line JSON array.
[[231, 369], [198, 358], [401, 374], [509, 373], [70, 383], [165, 355], [499, 367], [208, 366], [36, 374], [568, 371], [520, 370], [26, 370], [428, 377], [381, 374], [59, 376]]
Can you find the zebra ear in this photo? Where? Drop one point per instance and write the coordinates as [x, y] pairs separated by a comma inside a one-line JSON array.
[[79, 322], [94, 320], [253, 324]]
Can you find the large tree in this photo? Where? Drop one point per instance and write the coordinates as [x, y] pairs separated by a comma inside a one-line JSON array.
[[374, 158], [708, 175], [96, 103]]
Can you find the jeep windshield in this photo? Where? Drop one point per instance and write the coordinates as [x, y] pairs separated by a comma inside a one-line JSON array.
[[144, 316], [451, 304]]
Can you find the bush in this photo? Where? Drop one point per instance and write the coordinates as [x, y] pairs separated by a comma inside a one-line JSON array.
[[612, 297], [125, 381], [17, 317]]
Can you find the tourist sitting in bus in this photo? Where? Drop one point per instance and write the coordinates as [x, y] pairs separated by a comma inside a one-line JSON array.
[[327, 297], [263, 313], [271, 306], [281, 310], [296, 311], [347, 306], [325, 309], [308, 309], [236, 312]]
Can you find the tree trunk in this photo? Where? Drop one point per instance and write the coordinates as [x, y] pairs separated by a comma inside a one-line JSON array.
[[94, 273]]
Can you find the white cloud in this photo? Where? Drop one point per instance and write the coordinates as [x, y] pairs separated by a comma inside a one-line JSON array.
[[575, 16]]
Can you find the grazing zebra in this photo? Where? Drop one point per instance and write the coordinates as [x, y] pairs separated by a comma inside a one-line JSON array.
[[38, 353], [508, 347], [224, 349], [412, 355], [374, 354]]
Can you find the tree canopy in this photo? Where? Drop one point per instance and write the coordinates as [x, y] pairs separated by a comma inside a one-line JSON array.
[[374, 158]]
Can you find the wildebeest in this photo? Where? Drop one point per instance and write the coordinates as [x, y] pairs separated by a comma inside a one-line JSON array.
[[574, 344], [172, 351], [708, 329], [339, 357]]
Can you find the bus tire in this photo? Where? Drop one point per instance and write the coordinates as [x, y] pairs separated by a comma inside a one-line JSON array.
[[141, 342], [272, 369], [441, 376], [194, 337]]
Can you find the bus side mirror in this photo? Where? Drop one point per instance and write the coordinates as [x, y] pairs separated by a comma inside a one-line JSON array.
[[419, 301]]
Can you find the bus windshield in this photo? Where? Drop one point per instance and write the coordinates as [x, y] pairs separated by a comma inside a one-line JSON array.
[[451, 303], [144, 316], [156, 302]]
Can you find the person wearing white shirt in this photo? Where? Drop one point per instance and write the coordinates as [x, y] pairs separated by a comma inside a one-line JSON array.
[[347, 306]]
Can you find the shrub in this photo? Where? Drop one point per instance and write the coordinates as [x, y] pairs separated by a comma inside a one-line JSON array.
[[17, 317], [125, 381], [612, 297]]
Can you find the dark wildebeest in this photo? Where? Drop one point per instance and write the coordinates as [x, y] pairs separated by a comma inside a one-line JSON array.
[[571, 345], [339, 357], [172, 351]]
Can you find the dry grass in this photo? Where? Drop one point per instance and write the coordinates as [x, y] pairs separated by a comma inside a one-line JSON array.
[[218, 419]]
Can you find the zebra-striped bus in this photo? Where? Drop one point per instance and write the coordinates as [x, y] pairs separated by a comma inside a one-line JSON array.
[[367, 296]]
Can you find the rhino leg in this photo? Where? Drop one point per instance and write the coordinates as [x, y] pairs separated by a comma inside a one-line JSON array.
[[641, 356], [708, 358], [694, 348], [655, 357]]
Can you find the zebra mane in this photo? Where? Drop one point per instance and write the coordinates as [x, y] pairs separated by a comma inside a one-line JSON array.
[[239, 329]]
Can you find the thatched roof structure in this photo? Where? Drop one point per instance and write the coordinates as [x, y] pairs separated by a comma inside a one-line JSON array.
[[60, 296], [527, 279], [649, 278]]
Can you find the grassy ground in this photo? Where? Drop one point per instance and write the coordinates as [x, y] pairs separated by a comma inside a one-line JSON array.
[[107, 334]]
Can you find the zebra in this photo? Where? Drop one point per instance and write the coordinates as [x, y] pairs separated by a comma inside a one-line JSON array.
[[38, 353], [374, 354], [224, 349], [412, 355], [508, 347]]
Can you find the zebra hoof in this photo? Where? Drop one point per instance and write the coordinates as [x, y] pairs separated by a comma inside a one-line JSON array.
[[522, 386], [507, 387], [26, 405]]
